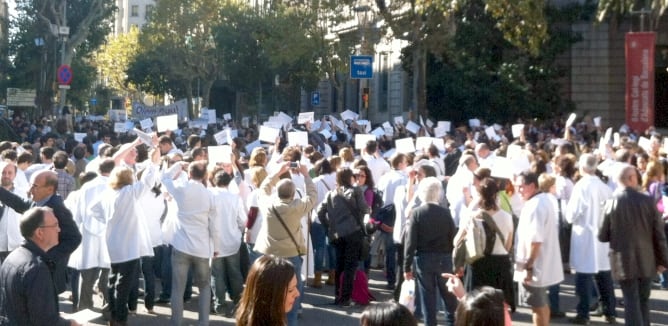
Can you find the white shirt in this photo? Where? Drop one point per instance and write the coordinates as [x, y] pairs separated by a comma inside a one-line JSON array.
[[196, 215], [153, 207], [127, 238], [378, 167], [503, 221], [92, 252], [230, 219], [585, 212], [10, 231], [538, 223], [389, 183], [253, 202], [323, 184]]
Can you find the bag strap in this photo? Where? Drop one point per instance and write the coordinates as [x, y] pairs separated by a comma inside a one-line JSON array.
[[280, 219], [490, 221], [325, 183]]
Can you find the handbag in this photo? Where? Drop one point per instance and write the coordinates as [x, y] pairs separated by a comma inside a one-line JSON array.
[[475, 244], [280, 219]]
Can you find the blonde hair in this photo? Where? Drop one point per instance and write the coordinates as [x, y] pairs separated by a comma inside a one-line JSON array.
[[258, 174], [120, 177], [545, 182], [653, 171], [258, 157], [346, 154]]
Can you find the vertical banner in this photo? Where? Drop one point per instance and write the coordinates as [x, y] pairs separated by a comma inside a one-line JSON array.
[[640, 80]]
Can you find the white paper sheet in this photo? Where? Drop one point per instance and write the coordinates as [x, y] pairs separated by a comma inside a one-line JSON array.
[[268, 134], [220, 154], [305, 117], [412, 127], [362, 139], [405, 145], [298, 138], [146, 123], [167, 122]]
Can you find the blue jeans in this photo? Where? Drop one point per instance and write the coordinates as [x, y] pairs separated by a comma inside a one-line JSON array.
[[636, 295], [226, 277], [583, 284], [165, 254], [553, 297], [428, 269], [292, 315], [318, 239], [390, 258], [181, 262]]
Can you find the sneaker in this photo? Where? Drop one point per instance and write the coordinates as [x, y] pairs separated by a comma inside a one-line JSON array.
[[162, 300], [610, 319], [150, 311], [132, 311], [578, 321]]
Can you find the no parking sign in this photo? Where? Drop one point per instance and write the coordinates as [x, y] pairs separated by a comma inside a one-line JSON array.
[[64, 75]]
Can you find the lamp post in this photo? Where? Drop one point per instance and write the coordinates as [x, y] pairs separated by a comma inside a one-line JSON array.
[[363, 14]]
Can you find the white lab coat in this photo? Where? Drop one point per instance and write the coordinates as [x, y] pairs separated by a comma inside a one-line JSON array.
[[585, 212], [92, 252]]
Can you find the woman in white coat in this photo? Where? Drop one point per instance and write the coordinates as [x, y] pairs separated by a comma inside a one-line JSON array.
[[127, 238]]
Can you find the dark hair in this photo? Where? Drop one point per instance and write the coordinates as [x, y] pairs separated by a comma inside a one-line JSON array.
[[262, 302], [197, 170], [79, 152], [482, 173], [47, 152], [344, 177], [9, 154], [24, 157], [322, 167], [60, 160], [86, 176], [193, 140], [529, 178], [387, 314], [369, 177], [106, 165], [32, 219], [482, 306], [371, 146], [222, 178], [488, 191], [566, 164]]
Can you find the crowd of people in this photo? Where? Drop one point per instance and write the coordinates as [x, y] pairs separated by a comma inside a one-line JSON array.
[[264, 222]]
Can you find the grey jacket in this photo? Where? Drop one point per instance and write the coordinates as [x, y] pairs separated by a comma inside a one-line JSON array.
[[342, 212]]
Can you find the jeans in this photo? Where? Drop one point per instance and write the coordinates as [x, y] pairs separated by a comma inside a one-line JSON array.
[[390, 258], [318, 239], [347, 259], [428, 269], [553, 297], [181, 262], [583, 291], [74, 283], [400, 271], [636, 295], [88, 278], [244, 259], [252, 254], [293, 314], [123, 278], [226, 277], [165, 253]]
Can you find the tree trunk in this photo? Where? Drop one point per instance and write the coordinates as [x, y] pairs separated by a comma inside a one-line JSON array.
[[206, 92]]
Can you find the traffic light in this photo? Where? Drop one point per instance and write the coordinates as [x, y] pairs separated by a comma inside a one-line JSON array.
[[365, 97]]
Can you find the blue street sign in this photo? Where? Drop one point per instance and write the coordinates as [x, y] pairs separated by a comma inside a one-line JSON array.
[[93, 101], [361, 66], [315, 98]]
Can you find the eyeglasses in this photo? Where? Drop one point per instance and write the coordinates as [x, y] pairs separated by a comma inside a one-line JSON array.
[[50, 226], [360, 175]]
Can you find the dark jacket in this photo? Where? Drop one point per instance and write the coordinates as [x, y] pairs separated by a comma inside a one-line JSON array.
[[27, 292], [429, 229], [69, 237], [634, 228], [342, 212]]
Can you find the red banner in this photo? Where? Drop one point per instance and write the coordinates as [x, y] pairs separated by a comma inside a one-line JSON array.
[[640, 80]]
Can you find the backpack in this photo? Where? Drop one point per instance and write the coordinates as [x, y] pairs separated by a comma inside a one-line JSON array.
[[361, 294], [480, 237], [377, 202]]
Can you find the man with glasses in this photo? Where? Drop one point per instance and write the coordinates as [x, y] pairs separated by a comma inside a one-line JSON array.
[[42, 192], [27, 291], [537, 255]]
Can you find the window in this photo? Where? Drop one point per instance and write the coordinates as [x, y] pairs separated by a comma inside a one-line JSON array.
[[149, 11], [134, 11]]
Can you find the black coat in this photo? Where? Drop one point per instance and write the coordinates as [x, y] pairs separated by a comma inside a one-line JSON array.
[[69, 237], [27, 291], [633, 226]]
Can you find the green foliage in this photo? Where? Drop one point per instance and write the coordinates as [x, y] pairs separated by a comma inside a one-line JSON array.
[[483, 74], [113, 58]]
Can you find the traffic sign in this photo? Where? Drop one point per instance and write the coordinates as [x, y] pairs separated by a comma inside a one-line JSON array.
[[64, 75], [315, 98], [93, 101], [21, 97], [361, 66]]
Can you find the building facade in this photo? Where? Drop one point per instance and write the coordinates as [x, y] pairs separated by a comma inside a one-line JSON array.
[[131, 13]]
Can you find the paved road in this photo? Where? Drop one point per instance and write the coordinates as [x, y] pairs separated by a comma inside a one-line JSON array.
[[318, 310]]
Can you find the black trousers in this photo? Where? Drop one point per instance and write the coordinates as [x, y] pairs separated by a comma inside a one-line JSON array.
[[124, 277], [347, 258]]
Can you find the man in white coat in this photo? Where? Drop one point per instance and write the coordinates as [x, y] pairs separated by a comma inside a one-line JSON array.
[[589, 257], [10, 234]]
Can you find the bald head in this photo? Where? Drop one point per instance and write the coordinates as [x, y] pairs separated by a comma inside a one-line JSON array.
[[43, 184]]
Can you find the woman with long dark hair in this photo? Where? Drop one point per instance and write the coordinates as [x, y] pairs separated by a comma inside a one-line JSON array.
[[341, 213], [271, 291]]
